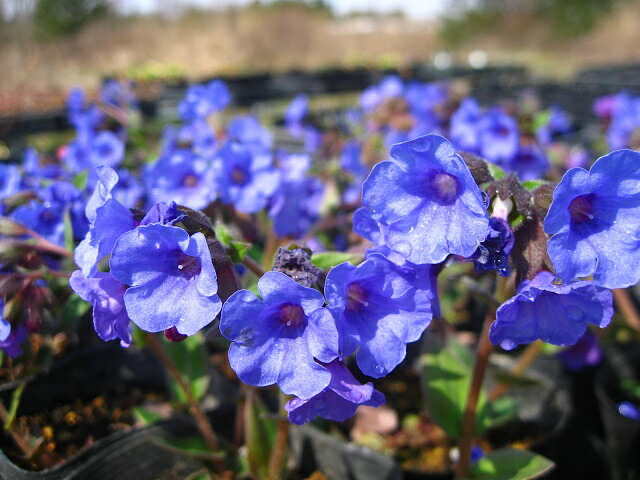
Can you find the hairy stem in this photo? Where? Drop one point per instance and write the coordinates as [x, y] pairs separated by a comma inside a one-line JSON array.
[[270, 249], [252, 265], [201, 418], [278, 454], [525, 360], [468, 420]]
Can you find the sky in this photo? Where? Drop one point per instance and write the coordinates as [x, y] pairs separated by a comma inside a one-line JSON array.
[[418, 9]]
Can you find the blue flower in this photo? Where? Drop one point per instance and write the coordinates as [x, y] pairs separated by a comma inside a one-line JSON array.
[[463, 127], [625, 120], [34, 172], [379, 307], [585, 353], [558, 123], [425, 99], [47, 216], [196, 136], [181, 176], [554, 313], [351, 158], [200, 101], [276, 339], [11, 344], [94, 150], [106, 296], [498, 136], [338, 401], [5, 326], [594, 222], [296, 206], [118, 94], [529, 162], [248, 131], [108, 219], [629, 410], [10, 180], [296, 111], [493, 252], [390, 86], [171, 278], [427, 200], [246, 178], [163, 213], [84, 118]]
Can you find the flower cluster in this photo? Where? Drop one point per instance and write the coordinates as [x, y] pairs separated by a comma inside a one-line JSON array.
[[288, 337], [146, 255], [160, 276]]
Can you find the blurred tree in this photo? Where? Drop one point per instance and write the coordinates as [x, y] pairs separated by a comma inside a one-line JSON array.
[[53, 18], [574, 17], [468, 18]]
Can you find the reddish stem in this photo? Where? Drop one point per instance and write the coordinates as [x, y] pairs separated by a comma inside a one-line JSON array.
[[468, 420], [201, 418]]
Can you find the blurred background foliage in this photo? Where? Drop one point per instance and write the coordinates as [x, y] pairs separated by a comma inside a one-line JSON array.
[[49, 46]]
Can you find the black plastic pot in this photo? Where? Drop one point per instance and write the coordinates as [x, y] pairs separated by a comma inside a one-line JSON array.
[[544, 408], [622, 434], [136, 454], [314, 450]]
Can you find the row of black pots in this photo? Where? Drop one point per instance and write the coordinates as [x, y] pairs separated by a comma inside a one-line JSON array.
[[574, 439]]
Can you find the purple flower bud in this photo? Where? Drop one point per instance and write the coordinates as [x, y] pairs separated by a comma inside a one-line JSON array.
[[338, 401]]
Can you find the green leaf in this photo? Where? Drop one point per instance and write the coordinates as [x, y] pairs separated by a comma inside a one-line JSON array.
[[237, 250], [331, 259], [510, 464], [260, 433], [503, 409], [68, 231], [446, 378], [541, 119], [223, 235], [495, 171], [80, 180], [146, 416], [74, 308], [15, 402], [631, 386], [532, 184], [550, 349], [190, 356], [138, 336]]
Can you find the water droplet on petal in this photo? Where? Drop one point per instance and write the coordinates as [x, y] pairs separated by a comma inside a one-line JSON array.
[[403, 248]]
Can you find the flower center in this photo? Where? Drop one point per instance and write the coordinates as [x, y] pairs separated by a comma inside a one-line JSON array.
[[239, 176], [581, 208], [291, 315], [445, 187], [502, 131], [357, 297], [190, 180], [188, 266]]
